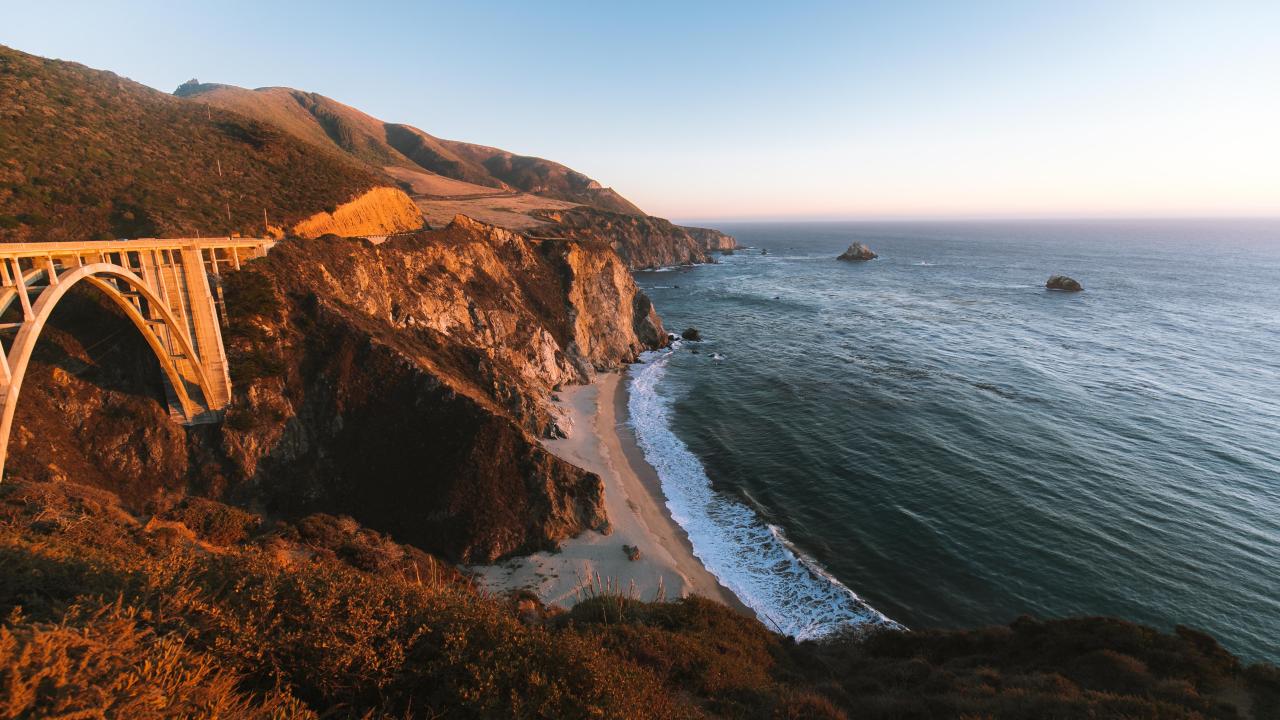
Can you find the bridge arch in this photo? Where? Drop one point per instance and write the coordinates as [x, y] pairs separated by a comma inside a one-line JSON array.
[[179, 362]]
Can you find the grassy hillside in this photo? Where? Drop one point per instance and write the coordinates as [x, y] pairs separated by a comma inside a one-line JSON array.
[[329, 124], [196, 609], [87, 154]]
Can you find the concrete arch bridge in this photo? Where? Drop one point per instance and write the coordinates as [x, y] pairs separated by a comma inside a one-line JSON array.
[[170, 289]]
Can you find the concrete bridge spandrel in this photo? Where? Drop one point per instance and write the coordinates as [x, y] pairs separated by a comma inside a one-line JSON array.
[[168, 288]]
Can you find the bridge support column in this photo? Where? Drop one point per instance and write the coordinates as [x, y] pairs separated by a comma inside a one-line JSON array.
[[203, 317]]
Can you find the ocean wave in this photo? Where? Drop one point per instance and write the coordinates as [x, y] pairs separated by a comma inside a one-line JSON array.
[[786, 589]]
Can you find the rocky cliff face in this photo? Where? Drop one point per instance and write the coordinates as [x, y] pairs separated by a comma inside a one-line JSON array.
[[712, 239], [403, 384], [643, 242]]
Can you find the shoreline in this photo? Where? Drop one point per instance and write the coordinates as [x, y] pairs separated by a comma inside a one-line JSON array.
[[601, 441]]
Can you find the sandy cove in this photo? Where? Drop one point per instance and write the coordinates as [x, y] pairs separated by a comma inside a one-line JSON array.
[[602, 442]]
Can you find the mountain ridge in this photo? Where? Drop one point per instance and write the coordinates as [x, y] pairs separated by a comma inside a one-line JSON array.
[[332, 124]]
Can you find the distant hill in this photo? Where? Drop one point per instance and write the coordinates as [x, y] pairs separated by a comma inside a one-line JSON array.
[[88, 154], [406, 151]]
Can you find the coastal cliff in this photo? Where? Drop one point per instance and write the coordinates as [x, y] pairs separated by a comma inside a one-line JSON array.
[[403, 384], [712, 239], [643, 242]]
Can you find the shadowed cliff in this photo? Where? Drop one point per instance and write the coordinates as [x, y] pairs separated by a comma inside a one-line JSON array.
[[404, 384]]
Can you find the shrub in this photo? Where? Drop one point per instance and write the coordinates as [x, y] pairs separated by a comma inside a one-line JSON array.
[[103, 664], [213, 522]]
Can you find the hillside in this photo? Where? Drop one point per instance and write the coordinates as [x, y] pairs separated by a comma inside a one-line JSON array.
[[86, 154], [384, 146], [191, 608], [448, 178]]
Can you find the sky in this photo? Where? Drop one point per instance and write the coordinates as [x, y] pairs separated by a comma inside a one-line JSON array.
[[773, 110]]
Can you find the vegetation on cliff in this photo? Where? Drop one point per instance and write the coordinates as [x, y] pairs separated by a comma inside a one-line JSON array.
[[86, 154], [199, 610], [380, 211]]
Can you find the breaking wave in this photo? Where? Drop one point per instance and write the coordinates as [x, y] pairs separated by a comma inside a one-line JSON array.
[[787, 590]]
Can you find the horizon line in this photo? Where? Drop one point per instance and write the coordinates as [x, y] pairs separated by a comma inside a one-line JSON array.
[[800, 219]]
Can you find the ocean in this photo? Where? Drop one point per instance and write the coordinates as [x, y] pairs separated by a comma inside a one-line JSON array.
[[932, 439]]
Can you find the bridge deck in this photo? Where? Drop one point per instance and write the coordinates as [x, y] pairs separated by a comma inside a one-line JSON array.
[[43, 249]]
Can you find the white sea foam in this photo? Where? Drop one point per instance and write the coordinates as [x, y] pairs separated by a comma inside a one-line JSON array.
[[787, 590]]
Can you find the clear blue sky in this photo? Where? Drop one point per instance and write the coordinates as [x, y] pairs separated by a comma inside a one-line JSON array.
[[769, 110]]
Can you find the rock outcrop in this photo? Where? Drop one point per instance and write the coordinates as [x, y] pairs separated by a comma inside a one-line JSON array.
[[712, 239], [857, 252], [1064, 283], [403, 384], [643, 242], [380, 211]]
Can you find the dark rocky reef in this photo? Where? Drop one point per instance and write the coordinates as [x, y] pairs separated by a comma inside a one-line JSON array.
[[1064, 283], [857, 252], [403, 384]]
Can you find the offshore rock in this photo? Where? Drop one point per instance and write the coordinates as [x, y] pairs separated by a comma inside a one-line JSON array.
[[1064, 283], [857, 252]]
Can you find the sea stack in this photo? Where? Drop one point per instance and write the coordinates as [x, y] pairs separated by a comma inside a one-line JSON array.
[[857, 252], [1063, 283]]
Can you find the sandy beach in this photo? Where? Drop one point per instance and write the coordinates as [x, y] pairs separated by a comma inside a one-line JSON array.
[[602, 443]]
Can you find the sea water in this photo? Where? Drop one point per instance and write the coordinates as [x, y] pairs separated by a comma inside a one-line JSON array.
[[933, 439]]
